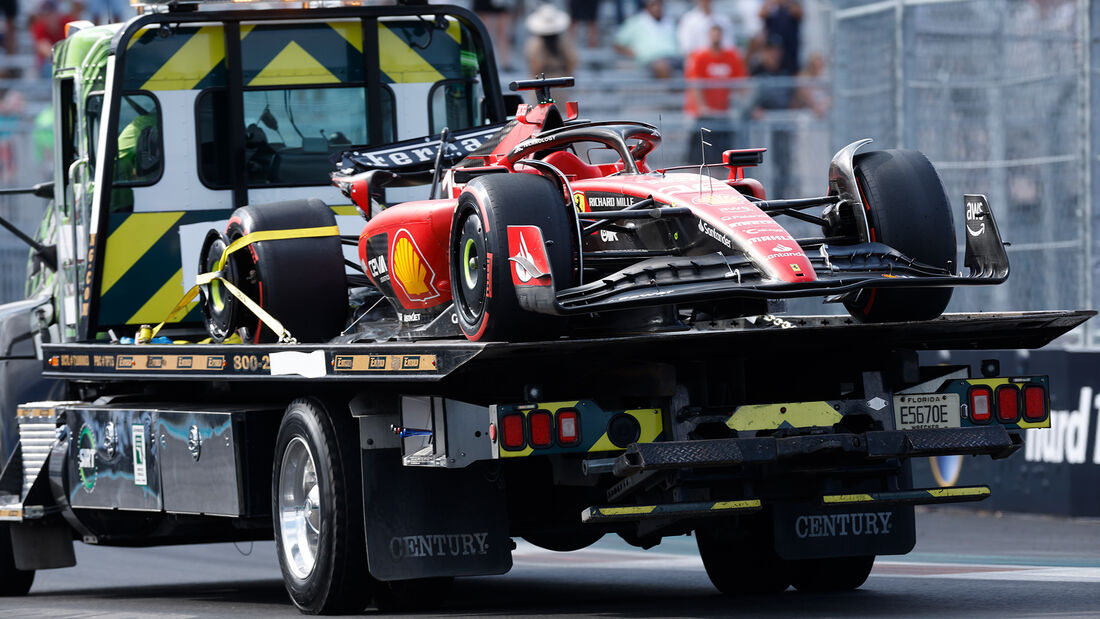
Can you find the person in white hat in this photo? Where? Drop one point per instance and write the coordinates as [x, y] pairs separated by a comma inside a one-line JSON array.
[[550, 49]]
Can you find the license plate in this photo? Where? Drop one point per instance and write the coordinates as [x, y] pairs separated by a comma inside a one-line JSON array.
[[926, 410]]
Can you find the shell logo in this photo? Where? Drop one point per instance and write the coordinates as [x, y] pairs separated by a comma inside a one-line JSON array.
[[410, 269]]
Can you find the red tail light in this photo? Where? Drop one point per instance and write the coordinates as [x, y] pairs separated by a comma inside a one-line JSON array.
[[569, 427], [981, 404], [1035, 403], [542, 428], [512, 431], [1008, 404]]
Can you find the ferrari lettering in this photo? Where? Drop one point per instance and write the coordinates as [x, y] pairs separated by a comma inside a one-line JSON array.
[[839, 525]]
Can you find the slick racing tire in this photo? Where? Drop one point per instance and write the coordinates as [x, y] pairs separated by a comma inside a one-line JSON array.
[[317, 506], [836, 574], [908, 210], [482, 273], [742, 561], [300, 282], [13, 582], [220, 309]]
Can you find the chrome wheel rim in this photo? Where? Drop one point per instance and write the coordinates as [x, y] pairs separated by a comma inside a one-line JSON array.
[[299, 508]]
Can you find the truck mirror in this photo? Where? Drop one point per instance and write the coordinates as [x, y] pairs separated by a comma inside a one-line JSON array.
[[44, 190]]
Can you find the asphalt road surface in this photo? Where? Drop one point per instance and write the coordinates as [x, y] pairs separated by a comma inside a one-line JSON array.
[[978, 564]]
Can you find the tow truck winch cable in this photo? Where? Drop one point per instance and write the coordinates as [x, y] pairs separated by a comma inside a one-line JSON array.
[[204, 279]]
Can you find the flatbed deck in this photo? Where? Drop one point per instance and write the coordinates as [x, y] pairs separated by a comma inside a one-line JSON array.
[[435, 360]]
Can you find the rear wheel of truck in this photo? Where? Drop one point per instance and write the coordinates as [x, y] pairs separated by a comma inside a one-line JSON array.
[[318, 510], [742, 561], [481, 267], [411, 595], [13, 582], [836, 574], [908, 210]]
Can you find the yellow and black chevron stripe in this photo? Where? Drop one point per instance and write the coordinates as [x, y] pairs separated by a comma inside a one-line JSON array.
[[919, 496], [281, 54], [644, 512]]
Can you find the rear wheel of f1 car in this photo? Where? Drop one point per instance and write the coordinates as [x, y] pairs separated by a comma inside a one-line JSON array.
[[908, 210], [742, 561], [318, 511], [13, 582], [220, 309], [299, 281], [836, 574], [483, 273]]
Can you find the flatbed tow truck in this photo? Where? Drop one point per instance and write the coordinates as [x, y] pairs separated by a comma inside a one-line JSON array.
[[384, 469]]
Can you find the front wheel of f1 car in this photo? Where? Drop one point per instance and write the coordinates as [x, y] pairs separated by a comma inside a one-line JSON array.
[[484, 267], [908, 210]]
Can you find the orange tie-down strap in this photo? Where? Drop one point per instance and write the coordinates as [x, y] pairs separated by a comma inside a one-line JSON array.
[[204, 279]]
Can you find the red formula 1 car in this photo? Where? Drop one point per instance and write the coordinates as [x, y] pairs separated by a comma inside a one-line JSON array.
[[550, 224]]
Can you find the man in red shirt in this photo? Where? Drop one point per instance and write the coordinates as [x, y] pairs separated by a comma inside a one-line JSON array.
[[708, 73], [47, 28]]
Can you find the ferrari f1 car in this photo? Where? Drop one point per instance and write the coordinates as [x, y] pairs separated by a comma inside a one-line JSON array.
[[551, 224]]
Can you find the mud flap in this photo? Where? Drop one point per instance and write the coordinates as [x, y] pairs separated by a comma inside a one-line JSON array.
[[807, 531], [423, 523]]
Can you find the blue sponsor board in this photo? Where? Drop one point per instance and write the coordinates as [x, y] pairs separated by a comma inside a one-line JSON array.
[[1058, 470]]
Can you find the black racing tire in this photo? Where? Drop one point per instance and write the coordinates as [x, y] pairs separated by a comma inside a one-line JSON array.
[[317, 507], [13, 582], [479, 242], [835, 574], [418, 594], [742, 561], [908, 210], [301, 282], [220, 309]]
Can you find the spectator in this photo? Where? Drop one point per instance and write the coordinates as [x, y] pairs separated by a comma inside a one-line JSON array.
[[585, 12], [549, 49], [693, 33], [47, 28], [811, 91], [708, 102], [649, 37], [108, 11], [11, 11], [773, 92], [497, 16], [783, 19]]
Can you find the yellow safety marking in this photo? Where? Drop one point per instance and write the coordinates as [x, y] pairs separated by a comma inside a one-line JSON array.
[[188, 66], [1034, 424], [127, 244], [553, 407], [352, 31], [950, 492], [523, 453], [847, 498], [989, 382], [626, 511], [294, 65], [650, 421], [137, 35], [161, 301], [772, 416], [454, 29], [346, 210], [400, 62], [737, 504], [246, 28]]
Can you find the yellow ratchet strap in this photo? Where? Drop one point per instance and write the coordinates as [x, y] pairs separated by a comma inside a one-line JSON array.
[[204, 279]]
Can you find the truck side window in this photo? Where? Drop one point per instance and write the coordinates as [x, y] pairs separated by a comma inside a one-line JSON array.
[[290, 133], [455, 104], [139, 159]]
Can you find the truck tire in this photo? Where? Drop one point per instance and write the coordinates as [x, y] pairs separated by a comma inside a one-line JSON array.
[[412, 595], [301, 282], [317, 507], [837, 574], [908, 210], [481, 272], [13, 582], [742, 561]]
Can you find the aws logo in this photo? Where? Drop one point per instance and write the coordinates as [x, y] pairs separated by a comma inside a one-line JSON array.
[[410, 269]]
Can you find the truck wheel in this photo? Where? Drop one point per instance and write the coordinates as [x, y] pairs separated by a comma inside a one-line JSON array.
[[838, 574], [301, 282], [13, 582], [481, 272], [318, 511], [742, 562], [907, 210]]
